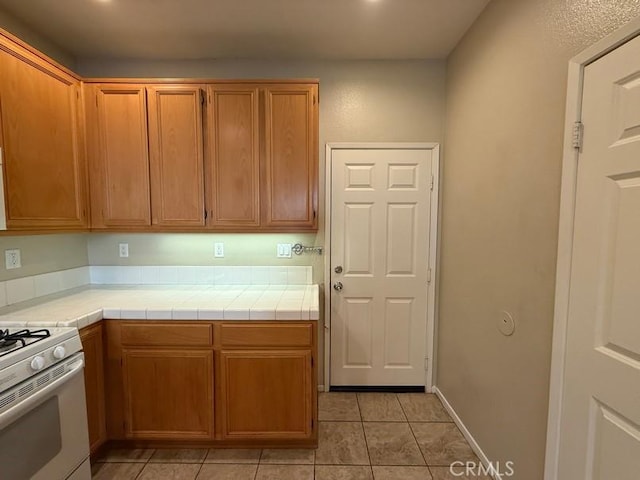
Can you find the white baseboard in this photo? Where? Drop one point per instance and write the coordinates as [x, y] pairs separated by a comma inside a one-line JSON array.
[[467, 434]]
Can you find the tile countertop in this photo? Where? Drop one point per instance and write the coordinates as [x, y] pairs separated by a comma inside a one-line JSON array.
[[170, 302]]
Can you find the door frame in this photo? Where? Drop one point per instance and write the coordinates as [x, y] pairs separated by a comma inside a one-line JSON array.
[[433, 259], [573, 114]]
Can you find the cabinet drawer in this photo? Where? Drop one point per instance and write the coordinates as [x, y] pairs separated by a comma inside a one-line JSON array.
[[166, 335], [247, 335]]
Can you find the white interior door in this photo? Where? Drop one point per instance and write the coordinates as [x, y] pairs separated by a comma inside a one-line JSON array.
[[380, 217], [600, 426]]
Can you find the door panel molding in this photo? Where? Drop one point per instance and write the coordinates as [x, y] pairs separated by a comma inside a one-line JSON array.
[[403, 180]]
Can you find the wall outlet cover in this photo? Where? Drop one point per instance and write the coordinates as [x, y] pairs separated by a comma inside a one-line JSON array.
[[12, 259], [123, 250], [218, 250]]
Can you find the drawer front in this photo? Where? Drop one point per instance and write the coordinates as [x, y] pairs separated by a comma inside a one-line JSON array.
[[266, 335], [144, 334]]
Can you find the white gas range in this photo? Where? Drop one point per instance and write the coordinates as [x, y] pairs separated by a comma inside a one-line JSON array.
[[43, 419]]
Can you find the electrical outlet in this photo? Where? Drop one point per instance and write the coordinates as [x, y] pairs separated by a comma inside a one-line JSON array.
[[218, 250], [12, 259], [283, 250], [123, 249]]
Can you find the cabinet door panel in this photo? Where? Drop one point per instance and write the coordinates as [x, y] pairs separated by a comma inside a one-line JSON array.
[[234, 166], [92, 338], [176, 155], [43, 161], [267, 394], [168, 393], [120, 177], [290, 156]]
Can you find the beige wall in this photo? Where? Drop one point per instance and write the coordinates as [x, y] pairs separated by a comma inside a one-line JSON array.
[[20, 30], [506, 85], [44, 253], [197, 249]]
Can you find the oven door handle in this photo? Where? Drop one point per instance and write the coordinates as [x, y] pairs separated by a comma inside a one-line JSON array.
[[15, 412]]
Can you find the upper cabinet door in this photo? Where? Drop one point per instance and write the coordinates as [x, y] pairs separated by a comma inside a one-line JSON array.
[[233, 176], [119, 156], [176, 155], [45, 174], [290, 158]]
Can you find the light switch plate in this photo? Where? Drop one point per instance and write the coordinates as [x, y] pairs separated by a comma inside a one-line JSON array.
[[283, 250], [12, 259], [218, 250]]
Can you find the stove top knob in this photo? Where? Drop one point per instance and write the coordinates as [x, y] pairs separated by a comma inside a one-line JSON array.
[[59, 352], [37, 363]]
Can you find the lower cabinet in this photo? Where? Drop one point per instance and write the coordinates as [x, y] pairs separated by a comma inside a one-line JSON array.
[[168, 393], [162, 376], [267, 394], [92, 345]]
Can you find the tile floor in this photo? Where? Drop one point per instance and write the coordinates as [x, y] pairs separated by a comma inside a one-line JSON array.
[[364, 436]]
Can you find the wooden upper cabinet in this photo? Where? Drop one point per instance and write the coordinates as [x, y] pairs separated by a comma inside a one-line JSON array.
[[41, 140], [233, 172], [176, 155], [119, 159], [290, 158]]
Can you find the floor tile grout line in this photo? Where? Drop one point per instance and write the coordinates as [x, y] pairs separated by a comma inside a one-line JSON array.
[[404, 414], [428, 469], [402, 408], [419, 448], [364, 434], [201, 465]]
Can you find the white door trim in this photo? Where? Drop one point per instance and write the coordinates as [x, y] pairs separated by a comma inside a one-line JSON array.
[[565, 234], [433, 250]]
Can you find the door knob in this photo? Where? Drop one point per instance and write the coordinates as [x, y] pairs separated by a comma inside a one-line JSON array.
[[337, 286]]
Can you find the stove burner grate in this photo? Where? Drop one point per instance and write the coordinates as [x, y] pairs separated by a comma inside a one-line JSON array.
[[9, 340]]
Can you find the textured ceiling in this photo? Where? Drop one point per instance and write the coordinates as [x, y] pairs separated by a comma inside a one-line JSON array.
[[284, 29]]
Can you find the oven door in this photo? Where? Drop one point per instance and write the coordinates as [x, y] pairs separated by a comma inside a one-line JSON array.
[[43, 435]]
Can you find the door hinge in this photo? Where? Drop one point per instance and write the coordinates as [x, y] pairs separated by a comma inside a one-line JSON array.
[[578, 135], [431, 182], [426, 363], [429, 275]]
